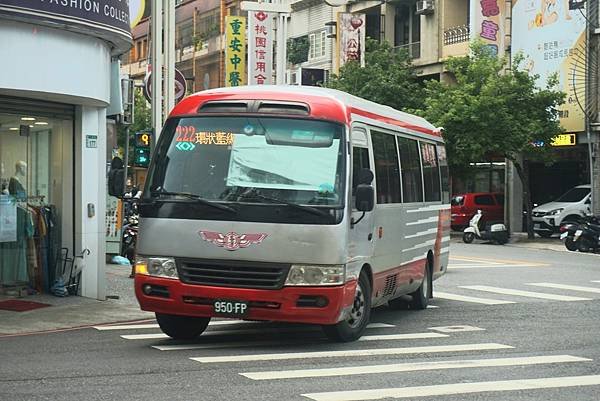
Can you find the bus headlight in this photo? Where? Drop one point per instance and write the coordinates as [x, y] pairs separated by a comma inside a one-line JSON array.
[[315, 275], [160, 267]]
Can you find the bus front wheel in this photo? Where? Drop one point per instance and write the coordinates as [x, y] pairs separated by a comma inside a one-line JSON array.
[[351, 328], [182, 327]]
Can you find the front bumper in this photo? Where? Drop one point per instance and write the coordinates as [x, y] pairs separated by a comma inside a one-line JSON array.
[[287, 304], [546, 223]]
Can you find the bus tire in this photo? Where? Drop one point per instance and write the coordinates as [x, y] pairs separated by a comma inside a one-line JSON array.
[[420, 298], [182, 327], [351, 328]]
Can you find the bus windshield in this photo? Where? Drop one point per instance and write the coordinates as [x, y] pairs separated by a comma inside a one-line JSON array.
[[252, 160]]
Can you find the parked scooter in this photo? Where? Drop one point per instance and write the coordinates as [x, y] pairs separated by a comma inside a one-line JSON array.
[[495, 232], [567, 234], [587, 235]]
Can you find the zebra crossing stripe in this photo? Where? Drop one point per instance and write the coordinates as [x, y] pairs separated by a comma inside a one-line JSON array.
[[567, 287], [458, 388], [464, 298], [528, 294], [412, 367], [353, 353], [241, 344], [282, 329], [155, 325]]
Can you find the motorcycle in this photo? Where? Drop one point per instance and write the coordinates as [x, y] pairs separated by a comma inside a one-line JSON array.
[[587, 235], [495, 232], [567, 235]]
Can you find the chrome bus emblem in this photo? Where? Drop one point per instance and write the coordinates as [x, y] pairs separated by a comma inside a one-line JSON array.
[[232, 241]]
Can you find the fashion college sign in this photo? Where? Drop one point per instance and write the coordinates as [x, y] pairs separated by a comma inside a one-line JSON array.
[[104, 18]]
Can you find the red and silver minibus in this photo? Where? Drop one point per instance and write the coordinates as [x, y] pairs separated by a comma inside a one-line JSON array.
[[293, 204]]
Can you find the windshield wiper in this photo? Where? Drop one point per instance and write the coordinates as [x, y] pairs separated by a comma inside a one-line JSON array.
[[195, 198], [255, 194]]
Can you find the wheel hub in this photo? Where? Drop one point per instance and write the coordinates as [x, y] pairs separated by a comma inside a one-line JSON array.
[[358, 308]]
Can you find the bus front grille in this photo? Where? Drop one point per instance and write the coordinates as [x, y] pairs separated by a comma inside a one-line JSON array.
[[239, 274]]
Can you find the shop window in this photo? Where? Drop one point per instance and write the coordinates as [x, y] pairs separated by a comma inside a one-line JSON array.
[[387, 171], [431, 172], [35, 160], [412, 183]]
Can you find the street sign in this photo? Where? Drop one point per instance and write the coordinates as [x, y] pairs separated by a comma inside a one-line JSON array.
[[180, 86], [565, 140]]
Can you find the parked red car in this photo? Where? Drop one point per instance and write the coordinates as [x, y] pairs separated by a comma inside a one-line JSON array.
[[464, 206]]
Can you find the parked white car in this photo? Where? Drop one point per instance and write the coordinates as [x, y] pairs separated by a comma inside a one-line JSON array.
[[572, 205]]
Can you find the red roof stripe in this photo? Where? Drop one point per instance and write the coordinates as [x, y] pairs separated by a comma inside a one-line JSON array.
[[395, 122]]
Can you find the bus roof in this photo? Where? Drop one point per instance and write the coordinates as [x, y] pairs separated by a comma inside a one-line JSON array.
[[330, 104]]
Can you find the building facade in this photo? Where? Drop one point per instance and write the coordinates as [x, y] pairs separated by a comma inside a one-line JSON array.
[[55, 90]]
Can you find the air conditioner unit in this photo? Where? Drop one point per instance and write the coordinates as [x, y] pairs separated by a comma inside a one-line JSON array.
[[425, 7]]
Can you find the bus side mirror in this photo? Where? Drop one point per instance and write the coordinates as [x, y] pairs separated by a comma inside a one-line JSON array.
[[365, 198], [116, 178]]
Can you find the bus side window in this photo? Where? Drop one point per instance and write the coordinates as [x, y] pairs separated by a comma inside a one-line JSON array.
[[360, 160]]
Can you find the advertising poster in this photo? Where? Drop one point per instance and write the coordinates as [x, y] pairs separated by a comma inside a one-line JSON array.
[[260, 48], [487, 23], [8, 219], [351, 38], [551, 36], [235, 52]]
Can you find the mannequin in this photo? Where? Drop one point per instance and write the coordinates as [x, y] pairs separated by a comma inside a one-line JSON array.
[[15, 187]]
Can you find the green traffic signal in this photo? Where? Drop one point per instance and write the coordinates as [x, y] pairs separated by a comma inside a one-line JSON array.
[[141, 157]]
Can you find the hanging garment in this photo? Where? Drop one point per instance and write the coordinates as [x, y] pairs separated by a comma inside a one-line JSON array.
[[13, 255]]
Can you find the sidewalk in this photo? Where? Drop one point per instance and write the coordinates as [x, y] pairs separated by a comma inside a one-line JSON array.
[[72, 312], [520, 240]]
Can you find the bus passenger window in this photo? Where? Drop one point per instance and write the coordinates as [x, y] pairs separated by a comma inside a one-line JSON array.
[[412, 184], [431, 172], [387, 171], [360, 160]]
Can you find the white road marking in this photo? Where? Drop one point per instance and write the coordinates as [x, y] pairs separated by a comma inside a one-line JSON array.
[[595, 281], [432, 307], [519, 293], [155, 325], [412, 367], [567, 287], [458, 388], [241, 344], [455, 329], [281, 329], [353, 353], [464, 298]]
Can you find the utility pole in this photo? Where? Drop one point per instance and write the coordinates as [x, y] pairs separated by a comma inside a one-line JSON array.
[[157, 66], [593, 100]]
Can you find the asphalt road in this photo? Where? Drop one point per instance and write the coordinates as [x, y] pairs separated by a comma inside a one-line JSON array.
[[490, 335]]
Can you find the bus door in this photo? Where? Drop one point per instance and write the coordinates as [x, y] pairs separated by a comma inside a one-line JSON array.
[[361, 234]]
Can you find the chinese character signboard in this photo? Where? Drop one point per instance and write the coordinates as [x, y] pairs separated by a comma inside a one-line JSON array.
[[260, 48], [487, 23], [235, 52], [551, 36], [351, 38]]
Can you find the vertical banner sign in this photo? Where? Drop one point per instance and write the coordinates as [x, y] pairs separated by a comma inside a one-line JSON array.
[[260, 48], [235, 52], [551, 36], [351, 38], [487, 23]]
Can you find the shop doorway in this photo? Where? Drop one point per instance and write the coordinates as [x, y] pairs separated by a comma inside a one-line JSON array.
[[36, 196]]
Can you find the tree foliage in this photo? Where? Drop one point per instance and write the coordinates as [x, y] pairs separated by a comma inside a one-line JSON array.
[[490, 111], [388, 77]]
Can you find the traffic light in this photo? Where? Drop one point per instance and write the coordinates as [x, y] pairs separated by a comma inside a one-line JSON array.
[[143, 142]]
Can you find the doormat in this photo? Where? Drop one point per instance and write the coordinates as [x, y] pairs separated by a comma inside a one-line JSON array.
[[16, 305]]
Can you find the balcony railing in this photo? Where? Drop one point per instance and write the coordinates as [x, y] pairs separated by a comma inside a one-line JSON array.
[[457, 34], [414, 49]]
